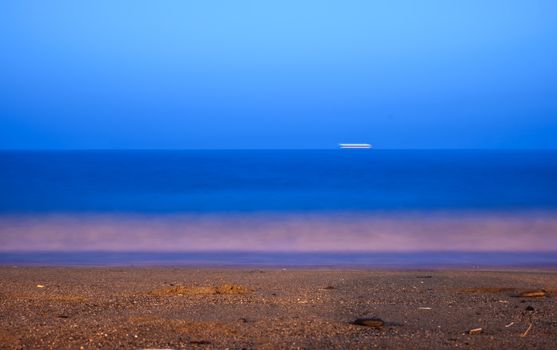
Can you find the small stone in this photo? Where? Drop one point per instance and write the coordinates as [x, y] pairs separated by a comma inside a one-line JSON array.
[[40, 285], [529, 308], [370, 322]]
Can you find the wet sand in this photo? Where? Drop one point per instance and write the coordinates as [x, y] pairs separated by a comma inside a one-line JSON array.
[[73, 308]]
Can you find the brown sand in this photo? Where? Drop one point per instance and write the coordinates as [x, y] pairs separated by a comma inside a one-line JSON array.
[[177, 308]]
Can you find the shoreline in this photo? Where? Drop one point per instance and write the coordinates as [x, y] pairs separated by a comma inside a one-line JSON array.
[[246, 259], [267, 308]]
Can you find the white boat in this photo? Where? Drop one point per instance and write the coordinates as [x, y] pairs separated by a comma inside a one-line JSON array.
[[355, 145]]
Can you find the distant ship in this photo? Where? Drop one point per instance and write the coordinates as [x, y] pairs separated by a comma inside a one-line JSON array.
[[355, 145]]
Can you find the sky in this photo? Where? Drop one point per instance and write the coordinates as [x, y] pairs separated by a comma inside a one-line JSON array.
[[400, 74]]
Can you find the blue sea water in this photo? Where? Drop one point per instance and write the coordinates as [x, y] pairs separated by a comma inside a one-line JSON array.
[[137, 207], [238, 181]]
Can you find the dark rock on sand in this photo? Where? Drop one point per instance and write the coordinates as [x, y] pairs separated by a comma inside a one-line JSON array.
[[370, 322]]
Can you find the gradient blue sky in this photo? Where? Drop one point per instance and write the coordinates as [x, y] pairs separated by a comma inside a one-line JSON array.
[[278, 74]]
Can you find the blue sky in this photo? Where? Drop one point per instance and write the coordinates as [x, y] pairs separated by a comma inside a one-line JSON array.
[[278, 74]]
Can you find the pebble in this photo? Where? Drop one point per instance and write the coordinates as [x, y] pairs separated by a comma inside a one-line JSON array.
[[370, 322]]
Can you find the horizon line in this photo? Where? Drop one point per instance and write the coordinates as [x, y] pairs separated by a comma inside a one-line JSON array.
[[270, 149]]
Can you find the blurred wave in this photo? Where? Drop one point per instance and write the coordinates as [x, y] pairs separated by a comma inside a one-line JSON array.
[[277, 232]]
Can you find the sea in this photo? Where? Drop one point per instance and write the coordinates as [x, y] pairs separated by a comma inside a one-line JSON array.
[[279, 208]]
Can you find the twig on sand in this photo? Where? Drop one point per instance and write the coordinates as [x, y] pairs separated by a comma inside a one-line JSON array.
[[533, 294], [508, 325], [528, 330], [475, 331]]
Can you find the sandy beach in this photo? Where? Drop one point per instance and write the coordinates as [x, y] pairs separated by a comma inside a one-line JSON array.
[[179, 308]]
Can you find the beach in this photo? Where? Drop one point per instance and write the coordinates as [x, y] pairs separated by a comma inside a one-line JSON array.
[[278, 175], [275, 308], [278, 249]]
